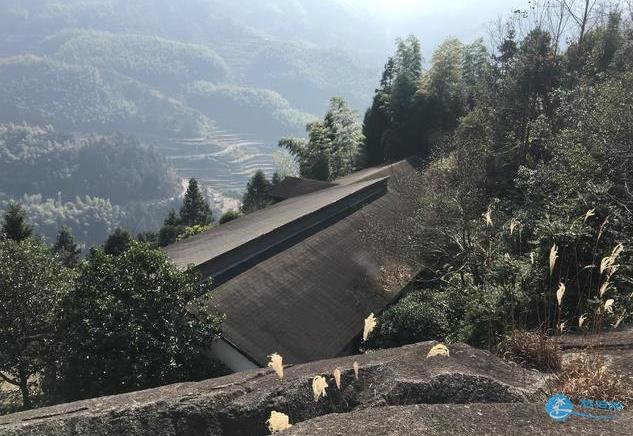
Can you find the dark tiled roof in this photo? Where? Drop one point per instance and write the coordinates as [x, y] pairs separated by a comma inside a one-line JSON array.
[[308, 299], [230, 244], [295, 186]]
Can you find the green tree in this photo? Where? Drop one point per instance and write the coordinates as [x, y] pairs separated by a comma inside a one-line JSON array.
[[346, 139], [66, 247], [313, 154], [150, 237], [195, 210], [257, 195], [335, 146], [394, 126], [445, 83], [118, 242], [32, 284], [228, 216], [170, 230], [126, 326], [14, 224]]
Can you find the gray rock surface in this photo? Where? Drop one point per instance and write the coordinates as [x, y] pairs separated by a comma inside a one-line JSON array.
[[240, 404], [459, 419]]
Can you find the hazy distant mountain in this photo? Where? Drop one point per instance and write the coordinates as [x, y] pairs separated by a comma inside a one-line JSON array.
[[211, 84]]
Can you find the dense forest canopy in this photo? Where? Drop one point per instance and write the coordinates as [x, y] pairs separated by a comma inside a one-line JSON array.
[[159, 62], [527, 207]]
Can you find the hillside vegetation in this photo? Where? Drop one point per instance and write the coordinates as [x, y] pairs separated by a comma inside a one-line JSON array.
[[90, 184], [267, 112], [526, 208], [42, 91], [210, 84], [156, 61]]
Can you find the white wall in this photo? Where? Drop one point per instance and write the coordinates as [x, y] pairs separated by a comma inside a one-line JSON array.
[[233, 359]]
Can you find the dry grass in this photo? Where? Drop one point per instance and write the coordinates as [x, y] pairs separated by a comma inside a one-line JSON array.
[[319, 385], [276, 363], [589, 377], [438, 350], [553, 256], [392, 277], [337, 377], [278, 422], [532, 350], [370, 325]]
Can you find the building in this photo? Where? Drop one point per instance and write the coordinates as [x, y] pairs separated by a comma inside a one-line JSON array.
[[299, 277]]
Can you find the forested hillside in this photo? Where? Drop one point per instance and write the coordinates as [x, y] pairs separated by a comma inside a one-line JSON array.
[[210, 84], [526, 214], [90, 184]]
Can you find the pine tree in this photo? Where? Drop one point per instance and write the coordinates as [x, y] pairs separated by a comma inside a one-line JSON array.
[[195, 210], [257, 195], [172, 219], [168, 233], [66, 247], [118, 242], [14, 224]]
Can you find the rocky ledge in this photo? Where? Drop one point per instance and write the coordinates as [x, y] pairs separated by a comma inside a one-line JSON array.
[[448, 390], [460, 419]]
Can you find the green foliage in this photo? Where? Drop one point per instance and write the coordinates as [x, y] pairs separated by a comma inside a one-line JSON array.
[[41, 91], [14, 224], [195, 210], [229, 216], [412, 109], [305, 75], [156, 61], [32, 284], [266, 112], [419, 316], [66, 248], [125, 326], [40, 160], [334, 147], [257, 195], [117, 243], [188, 232], [540, 163], [90, 219]]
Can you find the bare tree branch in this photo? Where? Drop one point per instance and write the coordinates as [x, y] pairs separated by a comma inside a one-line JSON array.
[[9, 380]]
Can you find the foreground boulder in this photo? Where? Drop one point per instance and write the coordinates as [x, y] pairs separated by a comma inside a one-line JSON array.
[[241, 403], [460, 419]]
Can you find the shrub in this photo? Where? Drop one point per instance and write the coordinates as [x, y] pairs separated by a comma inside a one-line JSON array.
[[532, 350], [589, 377], [125, 326], [419, 316], [229, 216]]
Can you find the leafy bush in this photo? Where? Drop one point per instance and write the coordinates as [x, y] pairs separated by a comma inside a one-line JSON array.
[[125, 326], [229, 216], [419, 316]]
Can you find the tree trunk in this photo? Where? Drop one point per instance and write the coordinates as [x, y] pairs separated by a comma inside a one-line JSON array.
[[24, 389]]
